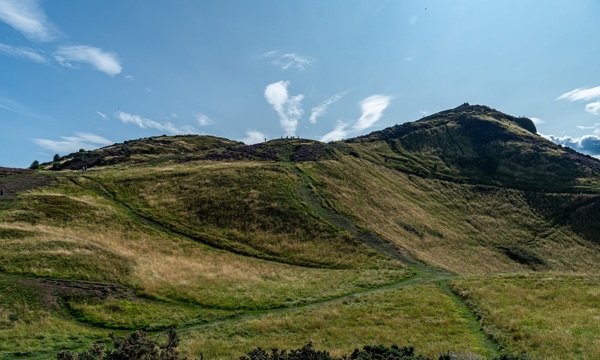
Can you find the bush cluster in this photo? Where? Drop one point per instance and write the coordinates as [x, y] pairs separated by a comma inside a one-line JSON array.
[[138, 346]]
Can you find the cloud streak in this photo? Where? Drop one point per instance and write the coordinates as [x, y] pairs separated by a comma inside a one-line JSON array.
[[144, 123], [372, 109], [70, 144], [288, 108], [288, 61], [23, 52], [27, 17], [338, 133], [581, 94], [103, 61], [321, 109], [593, 108], [204, 120], [584, 95]]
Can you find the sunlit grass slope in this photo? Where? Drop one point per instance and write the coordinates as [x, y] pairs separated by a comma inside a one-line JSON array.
[[93, 227], [252, 208], [420, 316]]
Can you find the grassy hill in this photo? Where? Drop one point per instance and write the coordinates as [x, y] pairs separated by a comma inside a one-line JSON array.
[[399, 236]]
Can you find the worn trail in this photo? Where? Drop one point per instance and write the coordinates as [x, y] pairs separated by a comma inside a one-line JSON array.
[[423, 273]]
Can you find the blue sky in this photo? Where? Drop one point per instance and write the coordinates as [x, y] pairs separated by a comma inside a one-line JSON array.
[[85, 74]]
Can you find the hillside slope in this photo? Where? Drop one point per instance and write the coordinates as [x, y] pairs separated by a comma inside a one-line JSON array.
[[478, 145], [230, 242]]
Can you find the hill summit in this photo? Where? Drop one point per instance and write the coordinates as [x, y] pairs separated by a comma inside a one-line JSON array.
[[480, 145]]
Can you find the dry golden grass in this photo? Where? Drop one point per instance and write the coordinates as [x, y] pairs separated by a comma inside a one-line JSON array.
[[547, 316], [168, 266]]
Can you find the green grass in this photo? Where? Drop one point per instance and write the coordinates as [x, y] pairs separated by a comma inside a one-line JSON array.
[[420, 316], [548, 316], [133, 314]]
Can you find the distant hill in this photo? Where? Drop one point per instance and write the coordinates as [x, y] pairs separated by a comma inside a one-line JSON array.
[[480, 145]]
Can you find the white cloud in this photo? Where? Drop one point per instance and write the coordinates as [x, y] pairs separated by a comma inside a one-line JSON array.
[[23, 52], [129, 77], [144, 123], [288, 61], [321, 109], [70, 144], [537, 121], [103, 61], [254, 137], [581, 94], [288, 108], [102, 115], [336, 134], [595, 126], [372, 110], [203, 120], [593, 108], [27, 17], [589, 144]]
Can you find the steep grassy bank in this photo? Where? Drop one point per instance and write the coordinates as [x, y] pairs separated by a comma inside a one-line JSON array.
[[465, 229]]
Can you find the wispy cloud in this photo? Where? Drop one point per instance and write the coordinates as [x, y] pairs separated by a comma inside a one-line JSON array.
[[584, 95], [338, 133], [254, 137], [595, 126], [321, 109], [27, 17], [288, 108], [288, 61], [372, 110], [537, 121], [23, 52], [204, 120], [581, 94], [70, 144], [103, 61], [588, 144], [145, 123], [593, 108], [102, 115]]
